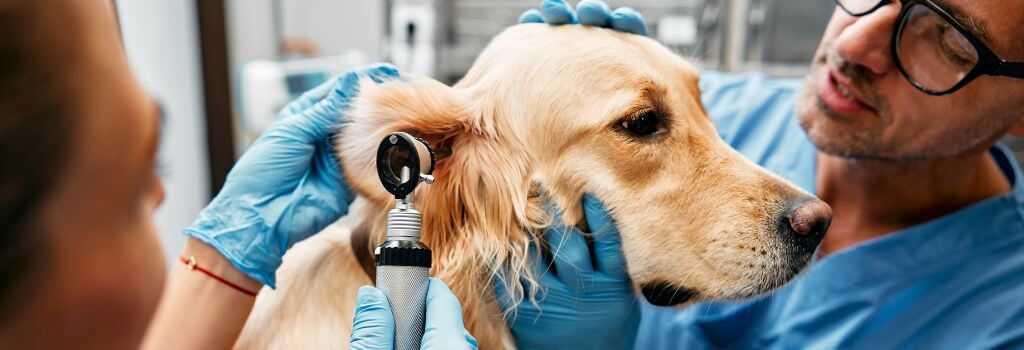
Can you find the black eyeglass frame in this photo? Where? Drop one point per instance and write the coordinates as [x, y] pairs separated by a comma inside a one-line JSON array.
[[988, 63]]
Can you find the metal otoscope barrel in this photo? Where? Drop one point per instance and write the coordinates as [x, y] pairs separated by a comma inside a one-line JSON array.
[[403, 266]]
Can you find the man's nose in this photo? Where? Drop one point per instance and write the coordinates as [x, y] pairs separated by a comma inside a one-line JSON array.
[[867, 40]]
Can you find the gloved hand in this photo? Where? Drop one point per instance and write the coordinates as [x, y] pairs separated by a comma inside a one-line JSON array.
[[288, 184], [589, 13], [589, 303], [374, 325]]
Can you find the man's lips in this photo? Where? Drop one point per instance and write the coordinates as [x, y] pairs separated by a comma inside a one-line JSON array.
[[839, 95]]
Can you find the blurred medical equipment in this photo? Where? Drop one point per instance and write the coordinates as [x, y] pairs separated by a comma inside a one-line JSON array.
[[774, 36], [414, 32], [778, 37]]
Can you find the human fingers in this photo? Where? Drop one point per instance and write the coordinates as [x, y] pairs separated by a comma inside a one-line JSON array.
[[530, 16], [444, 328], [608, 256], [625, 19], [307, 99], [319, 120], [570, 255], [594, 13], [373, 326], [557, 12]]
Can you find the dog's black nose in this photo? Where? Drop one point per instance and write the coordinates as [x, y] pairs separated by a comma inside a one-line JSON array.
[[807, 220]]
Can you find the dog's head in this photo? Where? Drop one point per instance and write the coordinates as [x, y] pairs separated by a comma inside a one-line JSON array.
[[573, 110]]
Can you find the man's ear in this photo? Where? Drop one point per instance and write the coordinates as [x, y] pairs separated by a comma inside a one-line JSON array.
[[419, 106]]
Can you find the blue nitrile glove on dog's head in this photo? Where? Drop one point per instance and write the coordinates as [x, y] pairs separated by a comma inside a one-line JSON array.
[[586, 299], [587, 302], [373, 326], [288, 185], [589, 13]]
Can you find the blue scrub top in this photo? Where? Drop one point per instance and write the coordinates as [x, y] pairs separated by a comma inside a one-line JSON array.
[[956, 282]]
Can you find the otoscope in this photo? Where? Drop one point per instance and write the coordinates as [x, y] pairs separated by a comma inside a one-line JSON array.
[[403, 262]]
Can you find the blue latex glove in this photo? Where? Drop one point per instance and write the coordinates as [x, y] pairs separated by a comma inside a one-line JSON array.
[[589, 13], [589, 303], [374, 325], [288, 184]]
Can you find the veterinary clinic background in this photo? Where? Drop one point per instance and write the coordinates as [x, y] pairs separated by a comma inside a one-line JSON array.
[[649, 174]]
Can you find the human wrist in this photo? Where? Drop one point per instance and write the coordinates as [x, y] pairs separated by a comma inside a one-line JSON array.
[[246, 245], [213, 261], [197, 311]]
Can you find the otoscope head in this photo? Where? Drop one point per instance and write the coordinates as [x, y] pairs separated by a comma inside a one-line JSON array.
[[402, 162]]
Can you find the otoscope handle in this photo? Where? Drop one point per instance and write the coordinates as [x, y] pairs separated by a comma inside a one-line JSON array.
[[402, 274]]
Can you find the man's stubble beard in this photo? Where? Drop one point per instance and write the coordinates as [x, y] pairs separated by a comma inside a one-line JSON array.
[[837, 135], [831, 133]]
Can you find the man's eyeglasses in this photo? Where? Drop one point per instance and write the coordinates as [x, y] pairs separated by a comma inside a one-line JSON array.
[[934, 52]]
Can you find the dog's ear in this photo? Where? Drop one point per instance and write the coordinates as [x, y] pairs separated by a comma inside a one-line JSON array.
[[419, 106], [478, 215], [485, 176], [486, 171]]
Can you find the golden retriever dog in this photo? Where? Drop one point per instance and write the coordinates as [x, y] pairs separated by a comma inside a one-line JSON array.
[[547, 114]]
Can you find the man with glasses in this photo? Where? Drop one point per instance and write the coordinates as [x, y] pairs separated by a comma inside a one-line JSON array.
[[896, 128]]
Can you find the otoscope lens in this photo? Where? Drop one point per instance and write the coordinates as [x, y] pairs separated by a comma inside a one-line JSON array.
[[396, 161]]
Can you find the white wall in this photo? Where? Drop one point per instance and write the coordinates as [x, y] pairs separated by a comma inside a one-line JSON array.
[[162, 44]]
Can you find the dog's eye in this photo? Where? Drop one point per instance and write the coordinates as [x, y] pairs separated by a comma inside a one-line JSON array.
[[645, 124]]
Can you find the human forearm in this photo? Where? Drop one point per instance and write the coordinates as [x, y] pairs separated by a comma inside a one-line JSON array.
[[197, 311], [286, 187]]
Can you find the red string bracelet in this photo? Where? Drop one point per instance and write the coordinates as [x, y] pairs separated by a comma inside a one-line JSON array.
[[191, 263]]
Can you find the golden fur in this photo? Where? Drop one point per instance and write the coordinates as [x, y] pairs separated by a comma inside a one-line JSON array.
[[538, 116]]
